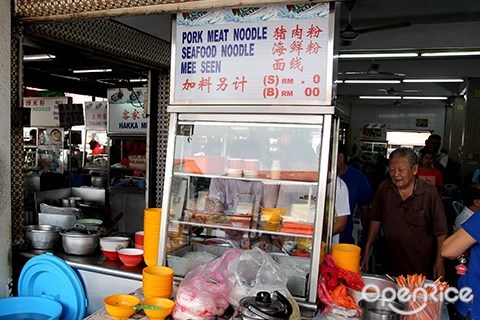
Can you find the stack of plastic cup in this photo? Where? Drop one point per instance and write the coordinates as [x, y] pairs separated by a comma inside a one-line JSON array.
[[151, 230], [157, 281], [346, 256]]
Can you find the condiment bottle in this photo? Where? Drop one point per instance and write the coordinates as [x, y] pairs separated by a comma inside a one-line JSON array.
[[245, 241], [275, 169]]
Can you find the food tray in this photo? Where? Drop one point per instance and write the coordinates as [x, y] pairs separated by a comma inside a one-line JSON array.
[[181, 265], [296, 284]]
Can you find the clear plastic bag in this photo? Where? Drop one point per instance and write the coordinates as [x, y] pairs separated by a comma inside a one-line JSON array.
[[253, 271], [204, 292]]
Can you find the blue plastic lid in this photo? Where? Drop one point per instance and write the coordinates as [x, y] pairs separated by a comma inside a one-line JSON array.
[[49, 276]]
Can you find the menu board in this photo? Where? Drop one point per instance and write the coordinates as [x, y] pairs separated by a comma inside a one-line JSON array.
[[96, 115], [44, 112], [259, 55], [127, 111]]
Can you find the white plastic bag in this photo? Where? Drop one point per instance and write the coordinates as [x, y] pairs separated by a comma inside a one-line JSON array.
[[203, 293], [253, 271]]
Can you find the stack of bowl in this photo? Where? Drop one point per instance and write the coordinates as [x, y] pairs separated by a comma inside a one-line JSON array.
[[111, 245], [151, 229], [346, 256], [157, 281], [139, 235]]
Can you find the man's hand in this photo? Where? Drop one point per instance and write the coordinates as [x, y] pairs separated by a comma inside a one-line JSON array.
[[365, 261], [438, 268]]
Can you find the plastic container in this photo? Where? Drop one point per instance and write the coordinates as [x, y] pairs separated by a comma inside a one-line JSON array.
[[275, 170], [30, 308], [346, 256], [48, 288]]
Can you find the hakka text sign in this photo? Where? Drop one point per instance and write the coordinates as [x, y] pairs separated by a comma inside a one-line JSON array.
[[263, 55], [127, 111]]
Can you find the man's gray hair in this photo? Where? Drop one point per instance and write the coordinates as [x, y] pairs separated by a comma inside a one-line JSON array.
[[405, 153]]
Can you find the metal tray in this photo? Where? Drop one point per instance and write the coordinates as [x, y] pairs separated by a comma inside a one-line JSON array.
[[296, 284], [181, 265]]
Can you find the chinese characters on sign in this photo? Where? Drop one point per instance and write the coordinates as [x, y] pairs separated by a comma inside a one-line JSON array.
[[264, 55], [96, 115], [127, 111], [44, 112]]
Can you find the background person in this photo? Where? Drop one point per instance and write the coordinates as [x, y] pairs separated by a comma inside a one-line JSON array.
[[471, 200], [428, 172], [360, 194], [467, 237], [303, 158], [411, 214]]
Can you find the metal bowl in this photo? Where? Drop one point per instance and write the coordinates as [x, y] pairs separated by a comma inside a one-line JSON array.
[[42, 236], [378, 282], [380, 310]]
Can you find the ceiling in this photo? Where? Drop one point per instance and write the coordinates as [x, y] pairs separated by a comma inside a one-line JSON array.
[[433, 24]]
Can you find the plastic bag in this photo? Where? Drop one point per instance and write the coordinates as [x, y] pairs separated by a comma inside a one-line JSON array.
[[204, 292], [253, 271]]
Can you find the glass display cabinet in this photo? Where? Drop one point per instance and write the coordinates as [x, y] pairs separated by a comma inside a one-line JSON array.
[[238, 180]]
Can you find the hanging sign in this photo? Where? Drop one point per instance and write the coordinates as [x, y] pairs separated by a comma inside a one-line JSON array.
[[71, 114], [267, 55], [44, 112], [96, 115], [127, 111]]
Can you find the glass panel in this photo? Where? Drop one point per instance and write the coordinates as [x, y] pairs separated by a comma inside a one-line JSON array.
[[248, 150], [227, 175]]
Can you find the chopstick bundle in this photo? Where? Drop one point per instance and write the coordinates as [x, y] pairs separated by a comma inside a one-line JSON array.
[[428, 308]]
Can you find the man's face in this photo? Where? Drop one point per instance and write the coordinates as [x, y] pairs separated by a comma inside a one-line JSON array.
[[402, 173], [433, 144]]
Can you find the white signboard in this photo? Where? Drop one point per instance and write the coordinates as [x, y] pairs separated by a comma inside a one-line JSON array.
[[44, 111], [96, 115], [267, 55], [127, 111]]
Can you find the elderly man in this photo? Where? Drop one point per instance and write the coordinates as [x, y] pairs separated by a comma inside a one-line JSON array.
[[411, 213]]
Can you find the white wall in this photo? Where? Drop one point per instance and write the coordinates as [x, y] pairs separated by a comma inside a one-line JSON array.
[[5, 161], [400, 117]]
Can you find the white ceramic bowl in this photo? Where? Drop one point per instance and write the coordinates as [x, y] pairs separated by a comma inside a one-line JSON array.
[[114, 243]]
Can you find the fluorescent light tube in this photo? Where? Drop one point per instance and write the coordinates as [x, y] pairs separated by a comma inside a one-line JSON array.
[[35, 89], [372, 81], [138, 80], [381, 97], [433, 80], [450, 53], [38, 57], [92, 70], [377, 55], [423, 98]]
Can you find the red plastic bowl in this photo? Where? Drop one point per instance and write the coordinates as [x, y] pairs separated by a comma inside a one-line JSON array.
[[111, 255], [130, 256]]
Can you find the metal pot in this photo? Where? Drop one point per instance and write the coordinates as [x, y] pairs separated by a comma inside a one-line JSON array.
[[43, 236], [380, 310], [79, 240], [74, 201], [265, 306], [98, 181]]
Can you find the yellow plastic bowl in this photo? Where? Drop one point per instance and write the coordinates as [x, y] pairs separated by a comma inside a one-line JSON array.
[[120, 306], [165, 304]]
